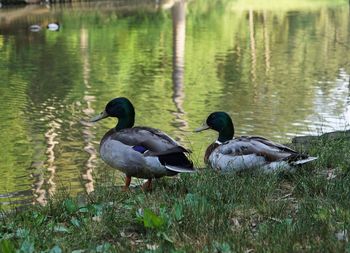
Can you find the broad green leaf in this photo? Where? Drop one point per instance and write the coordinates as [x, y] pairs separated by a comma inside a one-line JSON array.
[[103, 248], [152, 220], [56, 249], [288, 221], [60, 228], [70, 206], [75, 222], [178, 211], [83, 210], [22, 233], [98, 209], [222, 247], [27, 246]]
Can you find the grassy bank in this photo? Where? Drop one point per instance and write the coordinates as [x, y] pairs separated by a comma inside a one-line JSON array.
[[307, 211]]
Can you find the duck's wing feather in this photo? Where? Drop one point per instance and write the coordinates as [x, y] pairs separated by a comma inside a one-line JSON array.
[[272, 144], [248, 145], [153, 140]]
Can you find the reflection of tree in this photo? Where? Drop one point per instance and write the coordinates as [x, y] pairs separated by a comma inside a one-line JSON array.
[[40, 193], [179, 37], [8, 16], [252, 45], [48, 80], [51, 143], [283, 95], [266, 42], [45, 186], [88, 111], [38, 186]]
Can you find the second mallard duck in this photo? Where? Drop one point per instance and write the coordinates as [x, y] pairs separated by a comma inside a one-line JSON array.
[[235, 154], [141, 152]]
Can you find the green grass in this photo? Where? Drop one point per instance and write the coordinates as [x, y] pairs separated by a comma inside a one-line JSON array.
[[305, 211]]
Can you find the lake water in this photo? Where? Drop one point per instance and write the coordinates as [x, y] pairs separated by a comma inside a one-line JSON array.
[[280, 69]]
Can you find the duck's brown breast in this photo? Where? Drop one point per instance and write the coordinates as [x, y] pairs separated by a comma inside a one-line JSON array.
[[209, 150]]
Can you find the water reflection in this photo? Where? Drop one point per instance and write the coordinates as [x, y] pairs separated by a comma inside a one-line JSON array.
[[178, 11], [278, 72], [51, 135], [9, 16], [266, 42], [88, 134], [252, 45], [16, 198], [39, 191]]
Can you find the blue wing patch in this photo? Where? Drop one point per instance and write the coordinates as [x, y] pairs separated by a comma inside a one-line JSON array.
[[139, 149]]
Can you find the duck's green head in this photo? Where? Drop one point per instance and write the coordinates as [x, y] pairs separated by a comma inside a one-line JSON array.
[[220, 122], [120, 108]]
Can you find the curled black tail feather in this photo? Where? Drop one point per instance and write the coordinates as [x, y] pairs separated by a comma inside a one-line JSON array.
[[175, 159]]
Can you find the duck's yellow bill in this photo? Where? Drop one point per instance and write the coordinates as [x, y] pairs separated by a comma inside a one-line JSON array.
[[102, 115]]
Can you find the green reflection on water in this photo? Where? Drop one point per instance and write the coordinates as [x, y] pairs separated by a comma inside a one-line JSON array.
[[278, 69]]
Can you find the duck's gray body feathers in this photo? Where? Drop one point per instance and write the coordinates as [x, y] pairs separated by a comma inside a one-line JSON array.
[[248, 152], [144, 152]]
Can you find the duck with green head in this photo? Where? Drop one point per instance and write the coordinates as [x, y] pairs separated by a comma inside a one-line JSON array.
[[246, 152], [141, 152]]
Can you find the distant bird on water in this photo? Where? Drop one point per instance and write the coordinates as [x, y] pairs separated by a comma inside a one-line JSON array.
[[35, 28], [53, 27], [141, 152]]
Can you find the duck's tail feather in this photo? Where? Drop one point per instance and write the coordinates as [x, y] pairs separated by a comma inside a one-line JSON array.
[[305, 160], [177, 159], [171, 151], [180, 169]]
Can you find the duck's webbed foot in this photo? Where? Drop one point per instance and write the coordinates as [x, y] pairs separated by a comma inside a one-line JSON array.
[[148, 185]]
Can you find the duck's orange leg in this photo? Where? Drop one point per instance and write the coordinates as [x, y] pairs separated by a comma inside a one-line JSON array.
[[148, 185], [127, 183]]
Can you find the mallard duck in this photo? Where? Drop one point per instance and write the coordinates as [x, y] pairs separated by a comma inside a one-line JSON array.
[[235, 154], [141, 152]]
